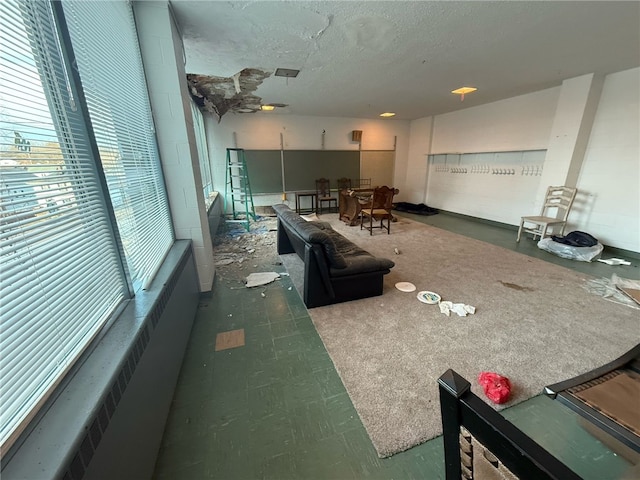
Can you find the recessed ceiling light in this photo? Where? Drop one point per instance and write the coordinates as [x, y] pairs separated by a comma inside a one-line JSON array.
[[462, 91], [286, 72], [387, 114], [267, 108]]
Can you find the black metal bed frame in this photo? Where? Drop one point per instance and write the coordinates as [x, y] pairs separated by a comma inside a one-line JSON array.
[[558, 391], [517, 451]]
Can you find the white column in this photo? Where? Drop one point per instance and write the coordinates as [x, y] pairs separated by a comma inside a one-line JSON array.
[[575, 112], [417, 169], [161, 49]]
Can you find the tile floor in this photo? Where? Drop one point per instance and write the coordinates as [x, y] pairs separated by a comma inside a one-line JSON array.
[[275, 408]]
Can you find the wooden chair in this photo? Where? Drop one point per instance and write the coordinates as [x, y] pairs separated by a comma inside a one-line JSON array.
[[379, 208], [559, 201], [323, 194], [344, 183]]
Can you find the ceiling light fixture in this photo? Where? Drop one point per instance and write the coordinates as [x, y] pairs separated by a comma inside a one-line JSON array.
[[462, 91], [387, 114], [267, 108]]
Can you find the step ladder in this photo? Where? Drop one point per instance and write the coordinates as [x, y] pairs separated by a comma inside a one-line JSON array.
[[238, 188]]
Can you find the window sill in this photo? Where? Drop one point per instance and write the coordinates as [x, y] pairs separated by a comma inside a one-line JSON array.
[[71, 431]]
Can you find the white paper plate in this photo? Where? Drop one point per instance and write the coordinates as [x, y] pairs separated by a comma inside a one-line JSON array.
[[405, 286], [428, 297]]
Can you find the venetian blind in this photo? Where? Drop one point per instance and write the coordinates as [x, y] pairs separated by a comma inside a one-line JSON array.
[[105, 44], [60, 273]]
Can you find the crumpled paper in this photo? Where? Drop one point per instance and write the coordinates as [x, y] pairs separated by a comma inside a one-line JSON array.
[[460, 309], [614, 261]]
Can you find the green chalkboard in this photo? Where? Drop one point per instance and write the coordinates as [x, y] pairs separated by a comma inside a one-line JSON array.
[[265, 171], [303, 167]]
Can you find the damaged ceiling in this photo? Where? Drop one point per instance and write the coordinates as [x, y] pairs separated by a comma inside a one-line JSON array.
[[362, 58], [218, 95]]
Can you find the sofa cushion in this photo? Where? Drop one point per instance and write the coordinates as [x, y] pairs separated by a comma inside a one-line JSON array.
[[291, 217], [320, 224], [346, 247], [356, 259], [357, 264], [336, 259], [312, 233]]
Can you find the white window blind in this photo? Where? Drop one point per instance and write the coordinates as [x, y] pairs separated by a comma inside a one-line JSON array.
[[203, 155], [60, 272], [105, 44]]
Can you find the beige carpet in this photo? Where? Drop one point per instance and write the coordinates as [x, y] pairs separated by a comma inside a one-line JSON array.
[[534, 323]]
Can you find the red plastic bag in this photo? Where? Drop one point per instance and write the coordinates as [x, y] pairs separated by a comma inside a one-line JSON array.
[[496, 387]]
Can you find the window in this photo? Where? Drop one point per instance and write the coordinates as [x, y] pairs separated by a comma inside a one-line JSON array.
[[201, 144], [80, 182]]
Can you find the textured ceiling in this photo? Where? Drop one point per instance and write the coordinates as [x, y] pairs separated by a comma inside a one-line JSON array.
[[359, 59]]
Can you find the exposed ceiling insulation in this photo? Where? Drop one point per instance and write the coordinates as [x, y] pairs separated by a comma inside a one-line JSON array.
[[219, 95]]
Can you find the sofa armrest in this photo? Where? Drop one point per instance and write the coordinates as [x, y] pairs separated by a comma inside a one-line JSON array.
[[317, 284], [284, 244]]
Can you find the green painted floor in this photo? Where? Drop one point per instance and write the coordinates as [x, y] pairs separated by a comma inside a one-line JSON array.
[[275, 408]]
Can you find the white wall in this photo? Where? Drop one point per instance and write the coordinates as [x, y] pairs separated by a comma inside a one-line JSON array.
[[521, 123], [262, 131], [608, 182], [518, 123], [610, 175]]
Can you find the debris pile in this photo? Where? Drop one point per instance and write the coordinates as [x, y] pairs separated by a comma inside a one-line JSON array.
[[238, 253]]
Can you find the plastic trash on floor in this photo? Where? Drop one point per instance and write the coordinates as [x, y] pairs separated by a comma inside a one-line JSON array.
[[459, 309], [614, 261], [582, 254], [611, 289], [496, 387], [261, 278]]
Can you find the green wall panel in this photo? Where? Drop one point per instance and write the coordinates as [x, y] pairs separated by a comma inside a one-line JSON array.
[[265, 171], [303, 167]]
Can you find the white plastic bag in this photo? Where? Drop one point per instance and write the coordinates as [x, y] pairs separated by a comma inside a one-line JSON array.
[[583, 254]]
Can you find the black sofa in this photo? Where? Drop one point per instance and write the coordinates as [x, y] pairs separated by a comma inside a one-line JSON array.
[[335, 269]]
